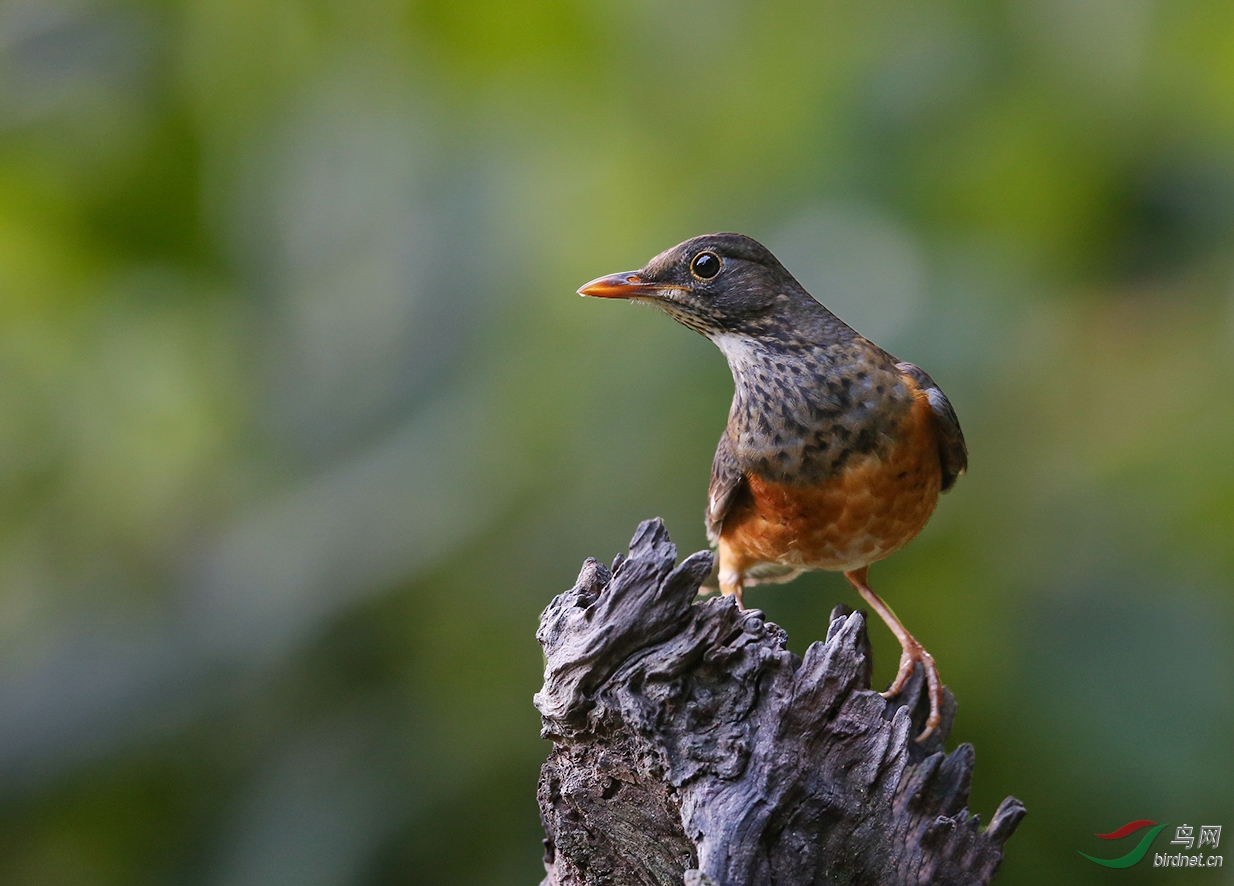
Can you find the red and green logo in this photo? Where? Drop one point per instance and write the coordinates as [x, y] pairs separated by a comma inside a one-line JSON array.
[[1140, 850]]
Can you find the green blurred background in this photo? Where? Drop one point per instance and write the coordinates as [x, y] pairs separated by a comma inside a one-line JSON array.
[[302, 424]]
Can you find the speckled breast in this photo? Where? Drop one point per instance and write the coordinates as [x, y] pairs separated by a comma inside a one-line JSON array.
[[870, 509]]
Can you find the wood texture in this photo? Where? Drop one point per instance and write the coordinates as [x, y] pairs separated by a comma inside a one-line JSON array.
[[690, 746]]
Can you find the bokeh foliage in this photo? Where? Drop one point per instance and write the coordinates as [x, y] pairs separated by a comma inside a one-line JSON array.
[[301, 424]]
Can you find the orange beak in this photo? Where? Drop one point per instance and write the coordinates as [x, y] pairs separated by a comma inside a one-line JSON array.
[[627, 284]]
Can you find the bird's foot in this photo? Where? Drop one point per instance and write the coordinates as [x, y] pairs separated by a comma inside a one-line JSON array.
[[734, 589], [914, 652]]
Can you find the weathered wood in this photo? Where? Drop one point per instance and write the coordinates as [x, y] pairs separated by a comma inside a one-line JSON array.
[[689, 745]]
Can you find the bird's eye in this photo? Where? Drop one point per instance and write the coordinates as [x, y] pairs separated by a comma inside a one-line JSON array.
[[705, 265]]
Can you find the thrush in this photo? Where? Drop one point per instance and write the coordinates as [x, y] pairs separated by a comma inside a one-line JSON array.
[[835, 452]]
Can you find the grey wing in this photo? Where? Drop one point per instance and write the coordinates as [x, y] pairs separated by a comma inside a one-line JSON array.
[[952, 451], [726, 481]]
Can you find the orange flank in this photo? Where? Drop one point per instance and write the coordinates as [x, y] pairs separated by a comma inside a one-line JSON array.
[[872, 508]]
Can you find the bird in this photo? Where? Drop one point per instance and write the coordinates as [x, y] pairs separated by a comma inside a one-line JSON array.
[[834, 453]]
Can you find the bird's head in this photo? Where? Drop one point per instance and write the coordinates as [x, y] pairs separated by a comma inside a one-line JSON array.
[[716, 284]]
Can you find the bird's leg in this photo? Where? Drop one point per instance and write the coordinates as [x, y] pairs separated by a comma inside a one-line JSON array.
[[732, 587], [913, 652], [732, 580]]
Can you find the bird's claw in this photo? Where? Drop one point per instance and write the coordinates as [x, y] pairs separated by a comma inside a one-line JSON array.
[[934, 685]]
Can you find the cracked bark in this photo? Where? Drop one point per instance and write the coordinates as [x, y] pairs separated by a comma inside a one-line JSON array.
[[690, 746]]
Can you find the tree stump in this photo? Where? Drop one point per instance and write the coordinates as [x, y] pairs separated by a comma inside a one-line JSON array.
[[689, 745]]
